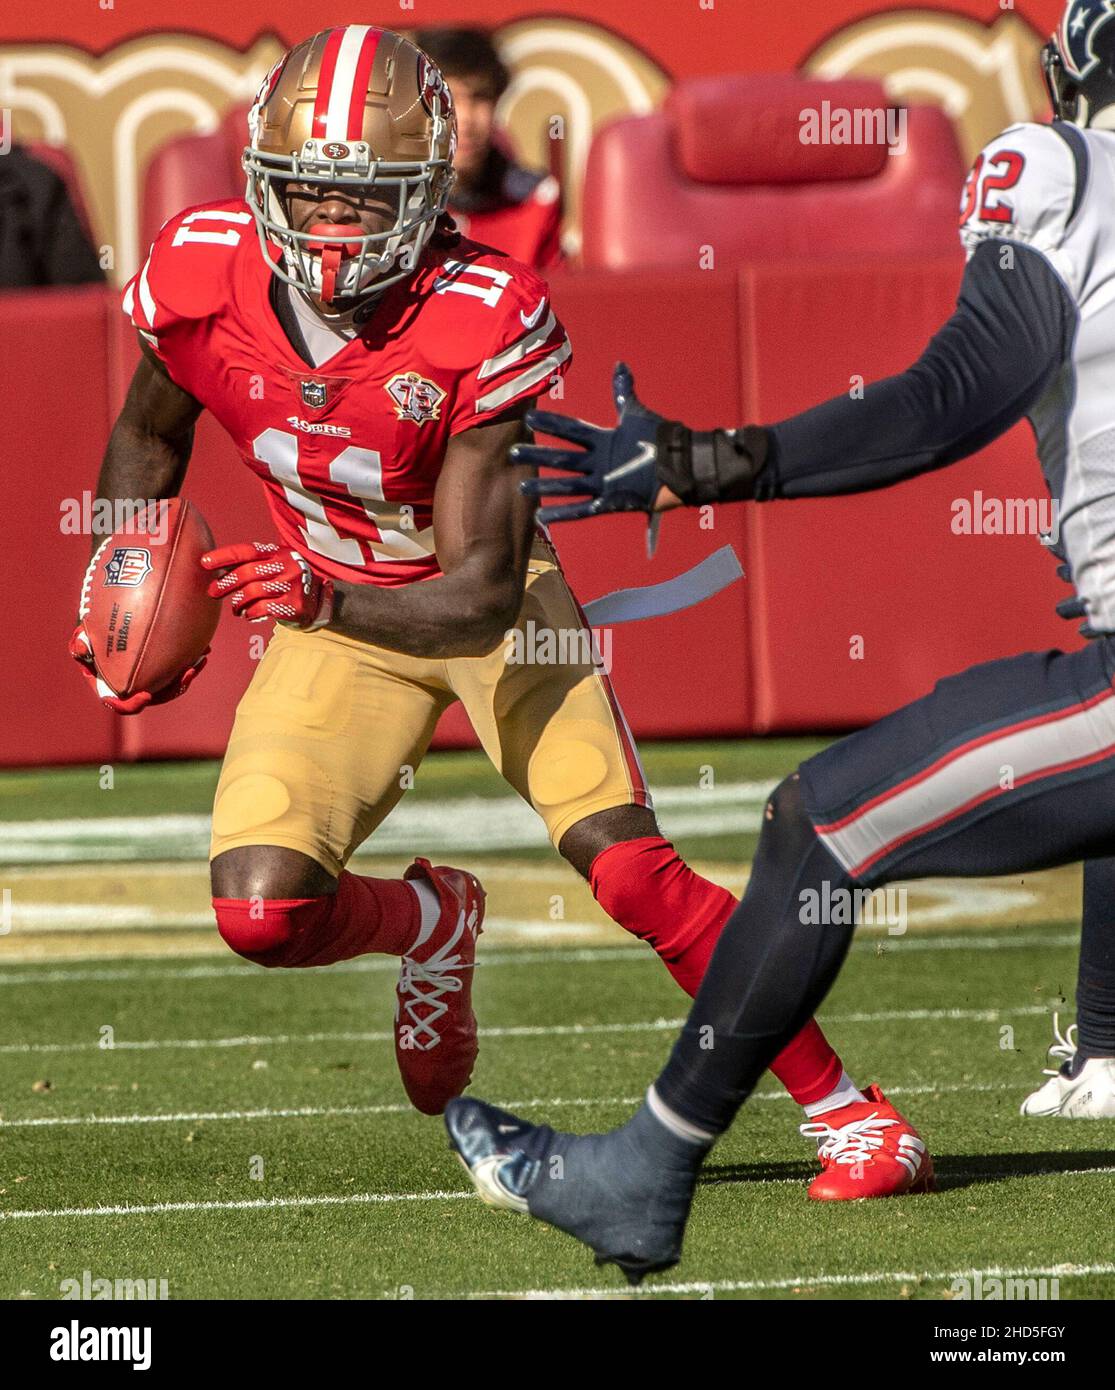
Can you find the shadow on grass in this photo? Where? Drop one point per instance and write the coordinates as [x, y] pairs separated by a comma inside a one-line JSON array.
[[953, 1171]]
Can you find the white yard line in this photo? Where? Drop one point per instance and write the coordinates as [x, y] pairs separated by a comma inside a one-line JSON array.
[[48, 971], [37, 918], [303, 1112], [387, 1198], [401, 1108], [446, 823], [658, 1025], [808, 1281], [259, 1204], [29, 973]]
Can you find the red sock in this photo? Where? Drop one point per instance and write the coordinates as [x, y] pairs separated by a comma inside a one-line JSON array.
[[365, 916], [652, 893], [808, 1067], [647, 888]]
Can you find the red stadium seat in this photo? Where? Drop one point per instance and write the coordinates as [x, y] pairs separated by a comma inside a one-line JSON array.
[[204, 168], [722, 165], [193, 169]]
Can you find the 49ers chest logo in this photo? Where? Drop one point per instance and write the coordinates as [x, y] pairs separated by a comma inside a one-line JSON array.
[[415, 397]]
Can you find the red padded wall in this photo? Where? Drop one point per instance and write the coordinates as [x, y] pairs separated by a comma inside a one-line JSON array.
[[884, 566], [52, 347], [680, 333], [769, 654]]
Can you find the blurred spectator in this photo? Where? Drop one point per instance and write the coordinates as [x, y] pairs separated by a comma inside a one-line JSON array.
[[495, 201], [42, 241]]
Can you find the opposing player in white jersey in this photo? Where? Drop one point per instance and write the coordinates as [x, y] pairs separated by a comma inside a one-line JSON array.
[[1052, 188], [1079, 65], [1005, 768]]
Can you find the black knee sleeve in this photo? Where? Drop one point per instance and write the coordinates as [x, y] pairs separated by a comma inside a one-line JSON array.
[[1095, 990]]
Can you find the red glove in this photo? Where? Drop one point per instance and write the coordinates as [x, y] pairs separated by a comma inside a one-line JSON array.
[[82, 653], [270, 581]]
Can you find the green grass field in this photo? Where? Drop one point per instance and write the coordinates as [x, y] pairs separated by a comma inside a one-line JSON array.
[[245, 1134]]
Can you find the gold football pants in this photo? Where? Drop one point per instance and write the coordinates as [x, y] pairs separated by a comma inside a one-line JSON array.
[[330, 729]]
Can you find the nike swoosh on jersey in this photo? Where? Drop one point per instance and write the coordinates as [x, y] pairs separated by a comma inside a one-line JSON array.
[[529, 320]]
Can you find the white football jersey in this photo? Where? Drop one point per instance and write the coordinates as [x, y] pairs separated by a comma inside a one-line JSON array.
[[1052, 188]]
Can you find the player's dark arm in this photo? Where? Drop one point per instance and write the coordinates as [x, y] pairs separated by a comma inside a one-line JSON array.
[[982, 372], [483, 526], [150, 444], [1010, 335]]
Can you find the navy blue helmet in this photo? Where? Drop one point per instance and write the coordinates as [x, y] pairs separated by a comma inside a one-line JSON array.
[[1079, 61]]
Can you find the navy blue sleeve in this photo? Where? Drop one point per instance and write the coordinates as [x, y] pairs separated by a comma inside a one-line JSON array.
[[981, 373]]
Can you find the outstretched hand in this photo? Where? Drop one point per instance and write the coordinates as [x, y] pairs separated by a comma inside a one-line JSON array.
[[615, 470]]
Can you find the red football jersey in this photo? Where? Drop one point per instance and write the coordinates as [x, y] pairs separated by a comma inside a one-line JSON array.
[[349, 453]]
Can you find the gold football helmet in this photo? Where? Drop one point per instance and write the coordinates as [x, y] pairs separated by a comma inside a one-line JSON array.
[[356, 106]]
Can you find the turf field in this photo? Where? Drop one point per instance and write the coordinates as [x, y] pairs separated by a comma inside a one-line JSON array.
[[171, 1113]]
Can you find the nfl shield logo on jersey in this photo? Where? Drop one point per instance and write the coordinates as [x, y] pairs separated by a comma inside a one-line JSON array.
[[315, 394], [128, 567], [415, 398]]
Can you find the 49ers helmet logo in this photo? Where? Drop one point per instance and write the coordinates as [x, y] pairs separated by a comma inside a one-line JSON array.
[[433, 88], [263, 96], [415, 397]]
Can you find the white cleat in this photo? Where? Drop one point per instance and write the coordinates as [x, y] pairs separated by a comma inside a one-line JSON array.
[[1089, 1095]]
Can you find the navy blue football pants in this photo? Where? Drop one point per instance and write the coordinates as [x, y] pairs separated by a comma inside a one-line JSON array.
[[1006, 768]]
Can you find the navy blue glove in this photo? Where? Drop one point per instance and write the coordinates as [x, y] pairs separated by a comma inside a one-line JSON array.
[[617, 470]]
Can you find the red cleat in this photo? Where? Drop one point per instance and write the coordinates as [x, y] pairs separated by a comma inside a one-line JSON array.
[[868, 1150], [435, 1027]]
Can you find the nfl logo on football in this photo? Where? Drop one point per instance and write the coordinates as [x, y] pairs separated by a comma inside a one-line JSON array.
[[127, 567]]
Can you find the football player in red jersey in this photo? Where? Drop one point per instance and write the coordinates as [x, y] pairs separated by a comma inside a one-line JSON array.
[[373, 369]]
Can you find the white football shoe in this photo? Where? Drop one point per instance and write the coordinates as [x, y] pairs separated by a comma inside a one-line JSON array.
[[1089, 1095]]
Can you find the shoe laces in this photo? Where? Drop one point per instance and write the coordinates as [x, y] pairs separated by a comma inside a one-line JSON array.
[[854, 1142], [1063, 1046], [426, 983]]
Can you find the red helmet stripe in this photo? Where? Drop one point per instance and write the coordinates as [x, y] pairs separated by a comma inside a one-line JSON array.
[[361, 82], [325, 81], [1063, 39]]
